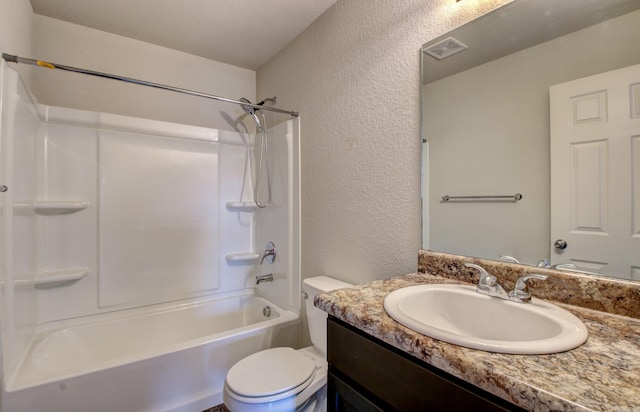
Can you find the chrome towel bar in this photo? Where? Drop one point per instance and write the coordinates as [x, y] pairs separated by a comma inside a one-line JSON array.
[[515, 198]]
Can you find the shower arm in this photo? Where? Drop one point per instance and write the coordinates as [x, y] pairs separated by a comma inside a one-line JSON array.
[[49, 65]]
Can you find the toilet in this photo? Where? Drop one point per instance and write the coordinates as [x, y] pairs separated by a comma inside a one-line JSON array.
[[285, 379]]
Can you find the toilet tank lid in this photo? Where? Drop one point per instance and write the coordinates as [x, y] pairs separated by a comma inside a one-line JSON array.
[[322, 284]]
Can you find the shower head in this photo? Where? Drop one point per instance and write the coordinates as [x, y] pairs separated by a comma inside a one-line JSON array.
[[246, 108], [252, 112], [261, 136], [250, 109]]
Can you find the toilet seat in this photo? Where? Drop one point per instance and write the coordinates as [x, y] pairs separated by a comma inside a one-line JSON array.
[[270, 375]]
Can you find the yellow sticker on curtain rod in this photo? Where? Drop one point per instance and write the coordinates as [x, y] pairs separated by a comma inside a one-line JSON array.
[[45, 64]]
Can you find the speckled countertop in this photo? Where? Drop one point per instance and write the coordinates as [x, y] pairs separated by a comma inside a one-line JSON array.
[[602, 374]]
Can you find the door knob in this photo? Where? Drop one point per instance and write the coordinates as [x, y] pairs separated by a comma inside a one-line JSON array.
[[560, 244]]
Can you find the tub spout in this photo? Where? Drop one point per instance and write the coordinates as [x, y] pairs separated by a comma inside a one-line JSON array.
[[264, 278]]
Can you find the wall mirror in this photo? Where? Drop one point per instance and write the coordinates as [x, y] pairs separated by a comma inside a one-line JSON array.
[[542, 99]]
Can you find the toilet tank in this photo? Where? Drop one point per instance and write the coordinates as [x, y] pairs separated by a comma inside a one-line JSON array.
[[316, 318]]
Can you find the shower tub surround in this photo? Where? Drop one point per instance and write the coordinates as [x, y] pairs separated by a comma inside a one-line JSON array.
[[602, 374], [129, 252]]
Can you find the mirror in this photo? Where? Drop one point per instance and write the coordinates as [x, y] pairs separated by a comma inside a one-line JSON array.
[[486, 132]]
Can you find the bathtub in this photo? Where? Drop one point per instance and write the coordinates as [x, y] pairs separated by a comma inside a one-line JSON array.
[[172, 357]]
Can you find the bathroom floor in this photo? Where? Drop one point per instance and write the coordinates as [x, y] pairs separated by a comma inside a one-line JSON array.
[[219, 408]]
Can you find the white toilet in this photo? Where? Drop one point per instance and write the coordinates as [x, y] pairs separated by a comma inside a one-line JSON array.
[[285, 379]]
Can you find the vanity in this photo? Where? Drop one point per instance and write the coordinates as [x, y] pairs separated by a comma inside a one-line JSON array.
[[368, 375], [375, 363]]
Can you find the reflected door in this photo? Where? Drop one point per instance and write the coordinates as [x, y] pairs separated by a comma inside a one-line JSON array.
[[595, 173]]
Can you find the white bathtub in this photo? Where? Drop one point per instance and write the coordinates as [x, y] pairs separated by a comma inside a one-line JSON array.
[[165, 358]]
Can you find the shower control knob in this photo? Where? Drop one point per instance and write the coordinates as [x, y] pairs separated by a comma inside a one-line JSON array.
[[269, 253], [560, 244]]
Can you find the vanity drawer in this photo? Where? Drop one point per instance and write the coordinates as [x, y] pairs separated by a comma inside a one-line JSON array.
[[392, 380]]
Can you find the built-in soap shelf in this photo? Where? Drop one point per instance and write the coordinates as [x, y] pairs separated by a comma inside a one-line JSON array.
[[242, 257], [52, 207], [52, 279], [241, 206]]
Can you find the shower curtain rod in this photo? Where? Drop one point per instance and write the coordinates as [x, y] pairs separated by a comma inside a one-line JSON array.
[[49, 65]]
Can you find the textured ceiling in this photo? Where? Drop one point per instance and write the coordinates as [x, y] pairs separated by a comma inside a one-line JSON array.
[[244, 33]]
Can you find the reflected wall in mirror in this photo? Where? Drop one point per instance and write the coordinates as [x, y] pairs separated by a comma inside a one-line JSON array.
[[488, 124]]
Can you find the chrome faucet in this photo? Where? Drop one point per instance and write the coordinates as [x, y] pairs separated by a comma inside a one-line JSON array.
[[509, 259], [520, 293], [563, 266], [488, 285], [264, 278], [544, 263]]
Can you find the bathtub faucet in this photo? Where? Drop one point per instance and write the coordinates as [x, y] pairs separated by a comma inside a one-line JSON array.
[[264, 278]]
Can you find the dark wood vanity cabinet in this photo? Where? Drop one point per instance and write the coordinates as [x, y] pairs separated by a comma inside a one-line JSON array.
[[366, 374]]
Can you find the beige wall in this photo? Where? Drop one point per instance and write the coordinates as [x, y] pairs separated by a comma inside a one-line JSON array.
[[15, 30], [80, 46], [354, 77]]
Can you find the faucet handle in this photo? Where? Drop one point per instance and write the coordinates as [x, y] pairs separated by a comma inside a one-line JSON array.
[[486, 280], [520, 293], [269, 253], [508, 258], [564, 266]]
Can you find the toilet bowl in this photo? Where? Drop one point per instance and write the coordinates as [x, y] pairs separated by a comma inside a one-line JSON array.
[[284, 379], [277, 379]]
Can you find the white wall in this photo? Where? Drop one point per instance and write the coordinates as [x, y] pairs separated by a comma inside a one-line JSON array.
[[488, 131], [15, 30], [354, 76], [73, 45]]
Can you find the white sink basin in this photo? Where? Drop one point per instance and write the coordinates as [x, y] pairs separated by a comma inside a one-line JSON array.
[[458, 314]]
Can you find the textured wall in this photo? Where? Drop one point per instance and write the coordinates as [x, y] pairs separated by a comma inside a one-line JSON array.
[[354, 76]]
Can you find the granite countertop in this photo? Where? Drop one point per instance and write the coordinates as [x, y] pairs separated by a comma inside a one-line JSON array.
[[602, 374]]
